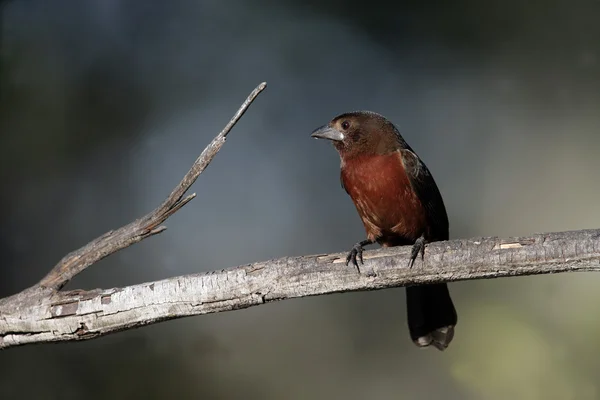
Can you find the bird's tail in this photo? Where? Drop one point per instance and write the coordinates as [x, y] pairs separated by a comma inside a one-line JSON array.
[[431, 315]]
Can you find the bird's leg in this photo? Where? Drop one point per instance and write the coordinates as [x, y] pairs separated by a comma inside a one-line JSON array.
[[356, 252], [418, 247]]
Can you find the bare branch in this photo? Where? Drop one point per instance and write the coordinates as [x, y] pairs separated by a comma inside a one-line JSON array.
[[44, 313], [78, 315], [113, 241]]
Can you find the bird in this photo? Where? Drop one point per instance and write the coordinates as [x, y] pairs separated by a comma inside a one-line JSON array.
[[399, 204]]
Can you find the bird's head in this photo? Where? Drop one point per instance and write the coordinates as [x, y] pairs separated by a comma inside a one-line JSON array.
[[361, 133]]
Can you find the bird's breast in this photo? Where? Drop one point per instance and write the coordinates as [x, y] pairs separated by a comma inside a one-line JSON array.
[[384, 198]]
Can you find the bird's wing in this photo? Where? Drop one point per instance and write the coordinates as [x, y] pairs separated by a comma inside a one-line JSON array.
[[424, 185]]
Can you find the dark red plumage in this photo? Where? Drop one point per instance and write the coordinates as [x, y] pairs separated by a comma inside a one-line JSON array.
[[399, 203], [381, 190]]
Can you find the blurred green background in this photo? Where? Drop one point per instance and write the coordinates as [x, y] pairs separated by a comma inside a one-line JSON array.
[[105, 104]]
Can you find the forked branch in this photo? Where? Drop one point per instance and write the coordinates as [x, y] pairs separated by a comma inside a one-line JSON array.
[[79, 315], [113, 241]]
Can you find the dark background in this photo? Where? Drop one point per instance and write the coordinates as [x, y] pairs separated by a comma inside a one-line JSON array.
[[105, 104]]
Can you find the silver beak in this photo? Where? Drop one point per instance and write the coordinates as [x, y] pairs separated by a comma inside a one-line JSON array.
[[327, 132]]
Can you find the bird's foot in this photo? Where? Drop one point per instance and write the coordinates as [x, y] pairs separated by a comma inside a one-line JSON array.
[[418, 247], [356, 254]]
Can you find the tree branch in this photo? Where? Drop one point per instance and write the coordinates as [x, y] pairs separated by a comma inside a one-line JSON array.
[[45, 313], [78, 315], [113, 241]]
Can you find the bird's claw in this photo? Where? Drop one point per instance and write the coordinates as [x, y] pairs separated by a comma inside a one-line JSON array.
[[418, 247], [354, 255]]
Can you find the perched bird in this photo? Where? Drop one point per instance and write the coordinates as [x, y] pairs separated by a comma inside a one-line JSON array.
[[399, 204]]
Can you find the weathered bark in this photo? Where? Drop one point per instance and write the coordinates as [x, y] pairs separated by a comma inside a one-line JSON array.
[[76, 315]]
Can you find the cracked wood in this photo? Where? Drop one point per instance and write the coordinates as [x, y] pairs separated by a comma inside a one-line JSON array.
[[78, 315]]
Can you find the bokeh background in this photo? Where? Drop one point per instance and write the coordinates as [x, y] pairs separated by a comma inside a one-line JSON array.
[[105, 104]]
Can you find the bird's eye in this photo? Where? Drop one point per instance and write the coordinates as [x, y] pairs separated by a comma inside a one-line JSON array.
[[345, 125]]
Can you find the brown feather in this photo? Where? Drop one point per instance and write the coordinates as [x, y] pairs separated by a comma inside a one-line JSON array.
[[382, 193]]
